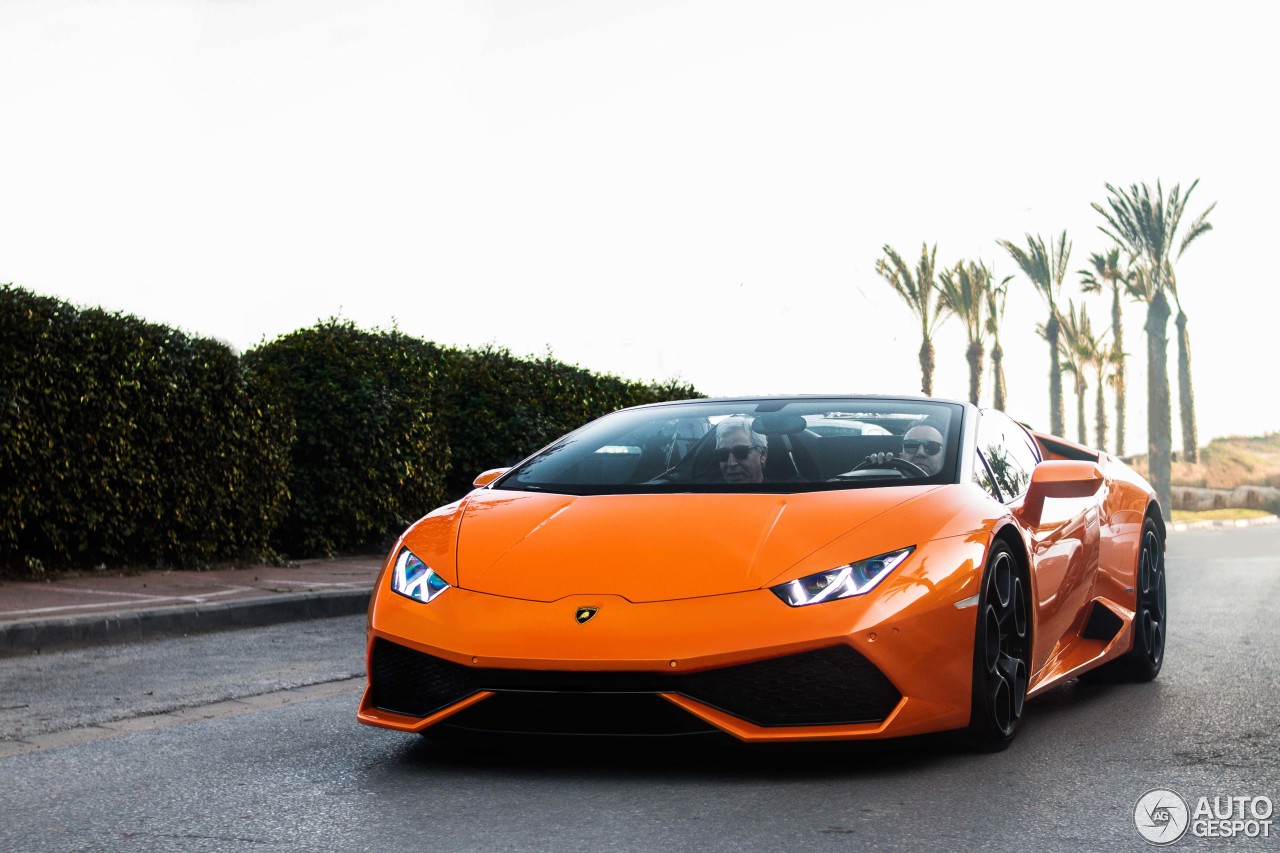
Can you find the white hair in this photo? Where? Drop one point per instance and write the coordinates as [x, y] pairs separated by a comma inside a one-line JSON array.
[[740, 423]]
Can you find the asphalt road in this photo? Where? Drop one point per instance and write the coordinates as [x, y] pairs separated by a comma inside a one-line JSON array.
[[247, 740]]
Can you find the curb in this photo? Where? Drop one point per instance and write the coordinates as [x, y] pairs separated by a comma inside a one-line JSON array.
[[34, 636], [1238, 522]]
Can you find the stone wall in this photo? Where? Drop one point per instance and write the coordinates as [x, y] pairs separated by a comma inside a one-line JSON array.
[[1245, 497]]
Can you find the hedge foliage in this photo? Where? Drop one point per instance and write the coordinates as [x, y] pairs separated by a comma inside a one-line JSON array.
[[367, 459], [125, 442], [498, 408], [390, 426]]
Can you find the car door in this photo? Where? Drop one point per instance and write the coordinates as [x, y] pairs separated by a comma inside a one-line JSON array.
[[1064, 545]]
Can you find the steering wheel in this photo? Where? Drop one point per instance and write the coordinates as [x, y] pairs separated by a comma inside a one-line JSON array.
[[902, 466]]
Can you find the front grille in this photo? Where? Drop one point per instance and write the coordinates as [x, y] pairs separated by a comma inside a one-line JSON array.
[[829, 686], [824, 687], [607, 714], [404, 681]]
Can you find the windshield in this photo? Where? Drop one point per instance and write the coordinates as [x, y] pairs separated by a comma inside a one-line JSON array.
[[770, 445]]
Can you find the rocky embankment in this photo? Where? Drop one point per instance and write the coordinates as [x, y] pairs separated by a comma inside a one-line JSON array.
[[1246, 497]]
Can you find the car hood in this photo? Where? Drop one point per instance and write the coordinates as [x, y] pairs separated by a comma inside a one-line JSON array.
[[543, 547]]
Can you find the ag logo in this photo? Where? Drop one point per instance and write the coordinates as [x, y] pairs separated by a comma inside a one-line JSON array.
[[584, 614], [1161, 816]]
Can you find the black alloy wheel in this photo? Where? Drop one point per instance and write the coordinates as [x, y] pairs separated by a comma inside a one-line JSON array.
[[1002, 652], [1150, 617]]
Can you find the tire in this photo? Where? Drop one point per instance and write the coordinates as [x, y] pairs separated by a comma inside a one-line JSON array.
[[1001, 652], [1150, 618]]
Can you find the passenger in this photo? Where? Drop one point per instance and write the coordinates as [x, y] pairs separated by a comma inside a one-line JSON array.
[[921, 446], [740, 450]]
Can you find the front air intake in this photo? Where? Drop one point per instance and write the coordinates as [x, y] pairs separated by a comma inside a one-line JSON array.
[[831, 686], [404, 681]]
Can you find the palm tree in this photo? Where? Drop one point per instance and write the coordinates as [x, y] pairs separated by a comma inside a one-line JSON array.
[[964, 291], [1106, 360], [997, 297], [1186, 396], [1046, 268], [1076, 342], [917, 290], [1105, 270], [1146, 228], [1159, 426]]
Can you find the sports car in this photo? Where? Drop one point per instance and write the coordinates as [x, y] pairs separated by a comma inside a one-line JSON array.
[[775, 568]]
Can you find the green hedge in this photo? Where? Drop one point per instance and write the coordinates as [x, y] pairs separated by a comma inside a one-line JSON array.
[[390, 426], [367, 459], [498, 408], [125, 442]]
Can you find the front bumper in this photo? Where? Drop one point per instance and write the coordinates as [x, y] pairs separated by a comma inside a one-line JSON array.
[[896, 662]]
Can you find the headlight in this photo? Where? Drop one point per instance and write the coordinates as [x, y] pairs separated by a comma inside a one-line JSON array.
[[842, 581], [413, 578]]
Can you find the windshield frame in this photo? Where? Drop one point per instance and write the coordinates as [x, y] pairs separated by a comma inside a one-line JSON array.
[[671, 482]]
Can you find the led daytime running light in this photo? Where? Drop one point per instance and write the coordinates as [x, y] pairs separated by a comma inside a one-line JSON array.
[[414, 579], [841, 582]]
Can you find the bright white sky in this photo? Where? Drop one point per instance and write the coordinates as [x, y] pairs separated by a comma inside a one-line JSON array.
[[652, 189]]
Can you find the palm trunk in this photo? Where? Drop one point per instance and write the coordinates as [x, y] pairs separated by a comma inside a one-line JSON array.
[[1057, 423], [997, 375], [975, 371], [1120, 405], [1117, 336], [1186, 396], [926, 367], [1100, 406], [1159, 415], [1081, 387]]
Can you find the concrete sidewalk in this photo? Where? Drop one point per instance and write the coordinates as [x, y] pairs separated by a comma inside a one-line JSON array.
[[96, 608], [1223, 523]]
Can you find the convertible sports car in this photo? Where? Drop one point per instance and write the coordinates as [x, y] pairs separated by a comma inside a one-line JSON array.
[[778, 569]]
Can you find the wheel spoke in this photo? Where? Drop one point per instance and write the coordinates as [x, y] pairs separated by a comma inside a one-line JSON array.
[[1019, 610], [1018, 679], [1155, 642], [1002, 580], [1158, 605], [993, 635], [1008, 667], [1000, 696], [1150, 571]]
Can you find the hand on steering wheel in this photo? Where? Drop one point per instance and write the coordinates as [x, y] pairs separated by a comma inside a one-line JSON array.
[[889, 460]]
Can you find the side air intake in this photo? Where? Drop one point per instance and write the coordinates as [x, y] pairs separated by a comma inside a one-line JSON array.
[[1102, 624]]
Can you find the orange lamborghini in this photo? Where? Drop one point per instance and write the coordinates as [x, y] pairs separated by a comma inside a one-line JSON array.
[[777, 569]]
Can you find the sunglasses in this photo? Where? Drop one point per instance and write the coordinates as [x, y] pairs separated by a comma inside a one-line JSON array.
[[740, 452], [931, 448]]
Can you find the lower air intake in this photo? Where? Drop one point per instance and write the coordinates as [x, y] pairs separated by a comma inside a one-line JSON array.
[[404, 681], [604, 714], [824, 687], [831, 686]]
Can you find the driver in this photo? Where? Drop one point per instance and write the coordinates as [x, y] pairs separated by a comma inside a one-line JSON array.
[[921, 446], [740, 450]]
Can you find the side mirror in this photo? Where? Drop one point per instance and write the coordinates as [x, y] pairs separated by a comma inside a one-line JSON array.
[[1058, 478], [489, 476]]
